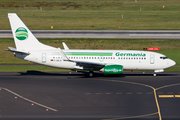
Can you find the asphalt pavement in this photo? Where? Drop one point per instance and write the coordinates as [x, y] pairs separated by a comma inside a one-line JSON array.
[[123, 34], [64, 95]]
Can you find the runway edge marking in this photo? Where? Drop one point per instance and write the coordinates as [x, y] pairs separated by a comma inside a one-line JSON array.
[[154, 89], [29, 99]]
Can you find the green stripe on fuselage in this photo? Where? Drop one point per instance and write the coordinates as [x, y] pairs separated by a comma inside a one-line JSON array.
[[88, 54]]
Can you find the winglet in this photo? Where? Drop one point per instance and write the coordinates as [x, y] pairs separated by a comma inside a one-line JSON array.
[[64, 57], [65, 46]]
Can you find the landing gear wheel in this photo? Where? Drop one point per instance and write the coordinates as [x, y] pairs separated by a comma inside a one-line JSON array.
[[91, 74], [154, 74]]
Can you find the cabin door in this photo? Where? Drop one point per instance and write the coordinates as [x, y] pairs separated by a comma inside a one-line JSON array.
[[43, 57], [152, 59]]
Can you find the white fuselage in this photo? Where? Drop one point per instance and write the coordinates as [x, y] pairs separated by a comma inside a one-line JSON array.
[[129, 59]]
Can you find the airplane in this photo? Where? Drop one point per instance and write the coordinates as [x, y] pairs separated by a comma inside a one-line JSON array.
[[110, 62]]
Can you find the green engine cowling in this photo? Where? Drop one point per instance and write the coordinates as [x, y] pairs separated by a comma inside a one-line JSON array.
[[113, 69]]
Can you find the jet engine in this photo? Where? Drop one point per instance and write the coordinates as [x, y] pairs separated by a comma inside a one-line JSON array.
[[112, 69]]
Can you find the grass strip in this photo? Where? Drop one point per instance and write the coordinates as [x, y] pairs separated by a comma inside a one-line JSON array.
[[94, 14]]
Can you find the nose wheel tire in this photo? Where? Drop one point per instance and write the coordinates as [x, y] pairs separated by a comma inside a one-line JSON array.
[[154, 74], [91, 74]]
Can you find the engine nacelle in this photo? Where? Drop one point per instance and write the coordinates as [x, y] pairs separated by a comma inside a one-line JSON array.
[[112, 69]]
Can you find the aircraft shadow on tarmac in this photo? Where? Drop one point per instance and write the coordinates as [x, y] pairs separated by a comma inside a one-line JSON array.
[[96, 74]]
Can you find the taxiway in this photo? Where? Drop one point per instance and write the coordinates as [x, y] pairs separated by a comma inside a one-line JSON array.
[[75, 96]]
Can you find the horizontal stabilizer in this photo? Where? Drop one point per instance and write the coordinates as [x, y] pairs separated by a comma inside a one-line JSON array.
[[15, 50]]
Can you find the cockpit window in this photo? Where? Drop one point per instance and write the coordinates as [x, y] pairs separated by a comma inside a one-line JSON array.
[[163, 58]]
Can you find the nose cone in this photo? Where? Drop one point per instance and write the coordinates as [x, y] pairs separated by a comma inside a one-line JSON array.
[[171, 63]]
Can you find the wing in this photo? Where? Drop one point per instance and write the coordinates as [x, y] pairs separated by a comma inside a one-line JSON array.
[[89, 65], [84, 64]]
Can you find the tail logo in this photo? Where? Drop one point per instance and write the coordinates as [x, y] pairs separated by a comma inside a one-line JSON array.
[[21, 33]]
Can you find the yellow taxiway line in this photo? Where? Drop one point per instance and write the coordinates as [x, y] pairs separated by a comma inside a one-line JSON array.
[[177, 96], [166, 96], [169, 96]]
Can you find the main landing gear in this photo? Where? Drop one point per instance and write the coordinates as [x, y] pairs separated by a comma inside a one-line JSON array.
[[91, 73]]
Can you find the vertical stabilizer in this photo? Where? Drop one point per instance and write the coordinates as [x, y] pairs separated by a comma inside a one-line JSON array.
[[24, 39]]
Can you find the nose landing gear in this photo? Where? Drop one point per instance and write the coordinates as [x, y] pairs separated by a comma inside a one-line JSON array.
[[154, 74]]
